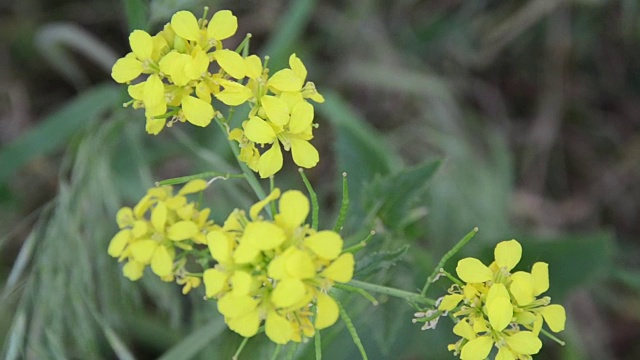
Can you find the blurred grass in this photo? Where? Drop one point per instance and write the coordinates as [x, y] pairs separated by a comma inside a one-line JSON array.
[[531, 106]]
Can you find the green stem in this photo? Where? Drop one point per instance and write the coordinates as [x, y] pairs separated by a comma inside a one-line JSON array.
[[352, 330], [552, 337], [314, 200], [318, 345], [248, 174], [204, 175], [344, 206], [362, 292], [359, 246], [409, 296], [446, 257], [242, 345]]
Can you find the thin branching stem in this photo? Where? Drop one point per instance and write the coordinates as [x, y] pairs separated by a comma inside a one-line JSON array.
[[409, 296], [344, 206], [315, 208], [248, 174], [240, 348], [352, 330], [318, 345], [204, 175], [446, 257]]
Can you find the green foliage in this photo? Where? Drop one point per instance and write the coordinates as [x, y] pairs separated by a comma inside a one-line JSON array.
[[378, 261], [392, 197]]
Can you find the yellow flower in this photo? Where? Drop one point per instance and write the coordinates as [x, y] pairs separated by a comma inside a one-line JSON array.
[[278, 271], [159, 224], [499, 308]]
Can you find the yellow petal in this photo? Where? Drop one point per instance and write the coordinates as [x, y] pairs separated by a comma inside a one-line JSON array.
[[327, 311], [326, 244], [540, 272], [234, 94], [293, 209], [522, 285], [220, 246], [504, 354], [449, 302], [304, 154], [223, 25], [232, 305], [555, 317], [154, 126], [472, 270], [270, 162], [508, 254], [198, 64], [285, 80], [231, 62], [124, 217], [215, 281], [259, 131], [133, 270], [524, 342], [159, 216], [288, 292], [464, 330], [193, 186], [136, 91], [245, 253], [153, 99], [196, 111], [477, 349], [276, 109], [118, 242], [257, 207], [341, 269], [301, 117], [298, 67], [263, 235], [500, 312], [126, 69], [182, 230], [276, 269], [141, 44], [254, 66], [162, 261], [277, 328], [185, 24], [300, 265], [142, 250], [241, 283], [246, 325]]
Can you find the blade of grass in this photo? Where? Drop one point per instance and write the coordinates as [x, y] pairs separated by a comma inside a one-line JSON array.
[[196, 341], [55, 130]]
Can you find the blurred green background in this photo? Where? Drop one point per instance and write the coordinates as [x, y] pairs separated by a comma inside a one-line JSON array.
[[520, 117]]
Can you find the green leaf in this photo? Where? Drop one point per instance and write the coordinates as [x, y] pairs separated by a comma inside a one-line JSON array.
[[196, 341], [391, 197], [359, 148], [379, 261], [55, 130]]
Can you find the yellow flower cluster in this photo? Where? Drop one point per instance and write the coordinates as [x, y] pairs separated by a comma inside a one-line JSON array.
[[179, 87], [499, 308], [159, 224], [177, 62], [279, 271], [279, 115]]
